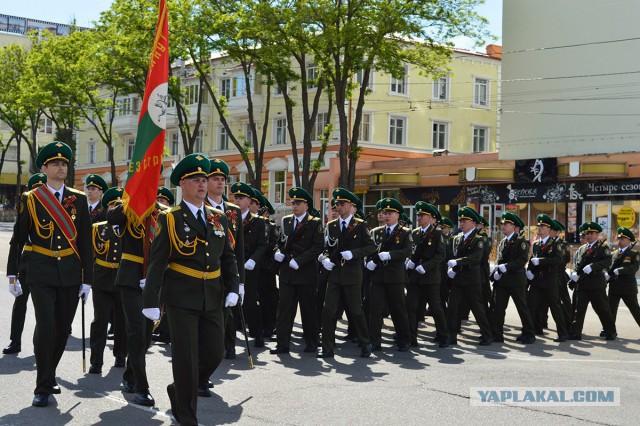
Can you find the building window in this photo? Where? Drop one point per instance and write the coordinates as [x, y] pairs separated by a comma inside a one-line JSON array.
[[480, 139], [399, 85], [126, 106], [280, 90], [91, 158], [360, 78], [46, 125], [365, 128], [313, 72], [175, 143], [318, 129], [225, 87], [198, 143], [223, 139], [129, 145], [441, 89], [192, 94], [240, 85], [439, 135], [481, 92], [281, 131], [397, 127], [248, 134], [279, 186], [106, 154]]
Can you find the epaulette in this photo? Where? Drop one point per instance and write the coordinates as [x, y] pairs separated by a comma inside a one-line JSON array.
[[213, 209], [97, 224], [405, 228], [358, 220], [232, 205], [76, 191], [171, 210]]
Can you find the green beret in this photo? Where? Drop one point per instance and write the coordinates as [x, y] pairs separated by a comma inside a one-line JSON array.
[[447, 222], [192, 165], [242, 189], [264, 202], [626, 233], [467, 212], [218, 167], [54, 151], [557, 226], [36, 180], [341, 194], [300, 194], [391, 204], [97, 181], [404, 218], [509, 217], [111, 195], [591, 227], [422, 207], [544, 219], [360, 214], [166, 194]]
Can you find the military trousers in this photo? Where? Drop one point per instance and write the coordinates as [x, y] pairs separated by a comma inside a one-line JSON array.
[[105, 302], [470, 295], [630, 300], [430, 293], [290, 296], [600, 304], [393, 294], [351, 296], [519, 296], [538, 295], [19, 311], [138, 337]]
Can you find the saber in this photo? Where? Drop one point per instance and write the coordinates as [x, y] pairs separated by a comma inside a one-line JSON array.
[[84, 357], [246, 338]]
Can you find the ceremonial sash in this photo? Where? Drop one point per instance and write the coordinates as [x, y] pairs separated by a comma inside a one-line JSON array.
[[59, 215]]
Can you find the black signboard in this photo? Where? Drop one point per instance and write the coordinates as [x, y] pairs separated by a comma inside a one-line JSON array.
[[539, 170]]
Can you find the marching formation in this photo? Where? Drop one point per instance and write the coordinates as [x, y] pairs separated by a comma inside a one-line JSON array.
[[196, 273]]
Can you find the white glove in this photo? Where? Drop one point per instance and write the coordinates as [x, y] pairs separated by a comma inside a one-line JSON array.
[[384, 255], [371, 265], [530, 275], [617, 271], [451, 273], [249, 265], [152, 313], [607, 276], [293, 264], [420, 270], [574, 277], [347, 255], [410, 265], [502, 268], [241, 293], [278, 257], [535, 261], [143, 282], [15, 289], [587, 269], [497, 276], [452, 263], [328, 265], [320, 257], [85, 289], [231, 300]]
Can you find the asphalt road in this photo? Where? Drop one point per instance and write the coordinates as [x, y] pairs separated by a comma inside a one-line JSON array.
[[427, 385]]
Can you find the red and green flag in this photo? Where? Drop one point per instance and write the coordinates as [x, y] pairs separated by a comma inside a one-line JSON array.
[[144, 169]]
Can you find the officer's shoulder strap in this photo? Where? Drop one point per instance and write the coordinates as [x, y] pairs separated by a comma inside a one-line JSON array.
[[97, 224], [75, 191], [172, 209]]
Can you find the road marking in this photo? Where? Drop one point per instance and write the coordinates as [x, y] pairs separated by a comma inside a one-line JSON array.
[[532, 358]]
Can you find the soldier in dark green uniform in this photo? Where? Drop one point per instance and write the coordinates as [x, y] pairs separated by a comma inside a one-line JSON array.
[[217, 181], [191, 267], [323, 274], [20, 289], [347, 243], [624, 265], [445, 283], [589, 276], [509, 279], [301, 241], [95, 188], [465, 272], [255, 246], [268, 289], [107, 248], [130, 281], [389, 276], [542, 272], [487, 296], [424, 268], [55, 219]]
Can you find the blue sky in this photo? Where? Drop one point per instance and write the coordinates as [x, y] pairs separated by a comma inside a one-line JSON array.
[[86, 11]]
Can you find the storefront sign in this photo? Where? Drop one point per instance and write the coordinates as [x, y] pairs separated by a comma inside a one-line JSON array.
[[539, 170], [527, 193], [626, 217]]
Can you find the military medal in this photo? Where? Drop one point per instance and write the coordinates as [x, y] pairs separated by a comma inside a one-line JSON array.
[[73, 217]]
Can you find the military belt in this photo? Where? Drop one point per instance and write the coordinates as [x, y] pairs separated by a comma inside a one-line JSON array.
[[132, 258], [107, 264], [52, 253], [201, 275], [27, 248]]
